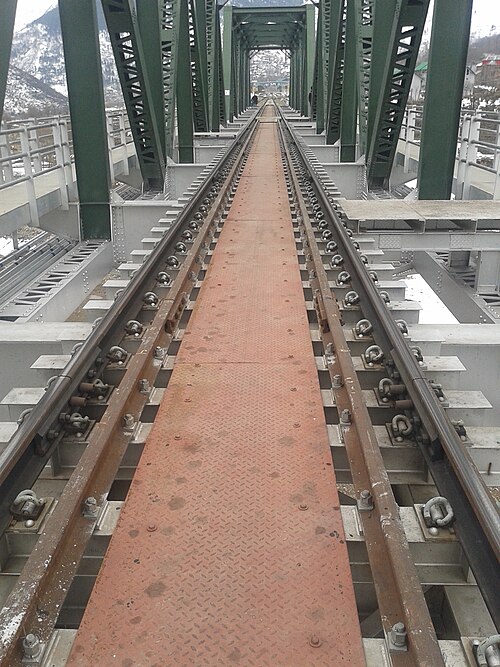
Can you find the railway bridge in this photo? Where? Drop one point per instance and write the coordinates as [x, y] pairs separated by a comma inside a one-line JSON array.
[[230, 432]]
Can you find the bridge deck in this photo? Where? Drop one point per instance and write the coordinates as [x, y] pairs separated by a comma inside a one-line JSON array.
[[230, 546]]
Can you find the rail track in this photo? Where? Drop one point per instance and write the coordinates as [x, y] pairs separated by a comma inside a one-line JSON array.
[[89, 429]]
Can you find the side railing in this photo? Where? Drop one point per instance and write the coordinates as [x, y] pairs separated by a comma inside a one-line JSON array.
[[478, 149], [32, 148]]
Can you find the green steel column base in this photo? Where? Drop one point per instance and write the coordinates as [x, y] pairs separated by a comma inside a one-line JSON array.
[[95, 221], [347, 153]]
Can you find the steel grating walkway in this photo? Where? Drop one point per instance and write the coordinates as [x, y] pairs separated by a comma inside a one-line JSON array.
[[230, 547]]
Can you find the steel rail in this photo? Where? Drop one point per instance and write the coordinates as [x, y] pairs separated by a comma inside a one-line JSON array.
[[399, 593], [22, 460], [34, 603], [454, 472]]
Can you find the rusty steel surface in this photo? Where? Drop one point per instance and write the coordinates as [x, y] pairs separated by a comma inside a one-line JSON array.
[[398, 589], [230, 547]]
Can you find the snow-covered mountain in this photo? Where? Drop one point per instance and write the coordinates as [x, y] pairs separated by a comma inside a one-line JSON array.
[[37, 80]]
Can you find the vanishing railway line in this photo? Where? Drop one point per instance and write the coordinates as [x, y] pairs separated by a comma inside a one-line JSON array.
[[88, 432]]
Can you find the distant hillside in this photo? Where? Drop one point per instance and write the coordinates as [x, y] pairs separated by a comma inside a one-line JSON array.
[[37, 60]]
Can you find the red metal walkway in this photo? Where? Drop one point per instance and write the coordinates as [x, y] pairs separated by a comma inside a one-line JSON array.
[[230, 548]]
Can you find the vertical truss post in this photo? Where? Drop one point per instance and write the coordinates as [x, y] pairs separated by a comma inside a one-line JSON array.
[[443, 97], [309, 54], [228, 60], [348, 122], [7, 20], [407, 26], [322, 54], [220, 69], [317, 90], [364, 37], [213, 64], [383, 15], [169, 41], [88, 117], [131, 64], [198, 44], [183, 87], [336, 73], [148, 17]]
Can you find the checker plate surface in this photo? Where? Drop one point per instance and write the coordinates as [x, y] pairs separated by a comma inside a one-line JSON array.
[[247, 560]]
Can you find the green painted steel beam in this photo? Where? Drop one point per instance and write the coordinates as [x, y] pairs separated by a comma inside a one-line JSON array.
[[198, 43], [131, 64], [148, 17], [309, 53], [383, 15], [407, 27], [183, 87], [348, 122], [336, 77], [169, 47], [88, 116], [443, 97], [7, 20], [228, 60], [364, 39]]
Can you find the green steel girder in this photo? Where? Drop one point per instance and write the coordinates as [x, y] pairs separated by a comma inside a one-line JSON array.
[[336, 79], [406, 33], [364, 37], [216, 111], [444, 89], [148, 17], [327, 36], [169, 42], [219, 73], [228, 61], [183, 87], [198, 43], [348, 116], [131, 64], [88, 117], [7, 20]]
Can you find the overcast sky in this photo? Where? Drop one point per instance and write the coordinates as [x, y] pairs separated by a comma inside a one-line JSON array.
[[486, 13]]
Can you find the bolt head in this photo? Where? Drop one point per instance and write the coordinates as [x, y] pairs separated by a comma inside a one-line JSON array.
[[152, 527], [315, 641]]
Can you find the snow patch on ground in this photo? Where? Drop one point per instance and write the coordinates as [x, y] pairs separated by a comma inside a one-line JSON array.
[[433, 309]]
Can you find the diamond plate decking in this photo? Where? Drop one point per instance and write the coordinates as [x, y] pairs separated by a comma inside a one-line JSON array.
[[230, 547]]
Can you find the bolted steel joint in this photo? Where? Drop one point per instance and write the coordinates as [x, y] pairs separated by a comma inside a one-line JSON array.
[[90, 508], [128, 421], [337, 381], [345, 417], [144, 386], [438, 513], [365, 501], [487, 651], [33, 650], [398, 638]]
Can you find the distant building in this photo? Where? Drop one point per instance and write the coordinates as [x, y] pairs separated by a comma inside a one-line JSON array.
[[416, 89], [488, 71], [470, 79]]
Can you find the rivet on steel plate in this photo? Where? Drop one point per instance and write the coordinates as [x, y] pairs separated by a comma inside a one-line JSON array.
[[152, 527], [303, 507], [398, 638], [315, 641], [365, 501]]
